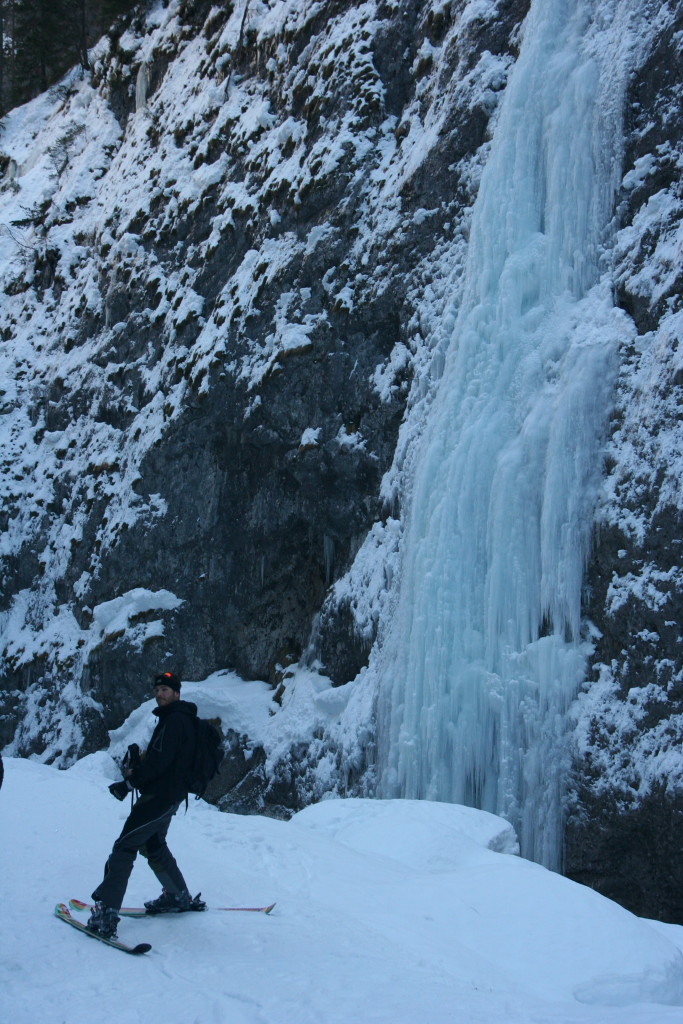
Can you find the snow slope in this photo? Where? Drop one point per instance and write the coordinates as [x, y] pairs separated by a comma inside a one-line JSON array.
[[387, 911]]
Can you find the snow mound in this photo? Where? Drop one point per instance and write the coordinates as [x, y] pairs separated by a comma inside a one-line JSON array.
[[420, 834]]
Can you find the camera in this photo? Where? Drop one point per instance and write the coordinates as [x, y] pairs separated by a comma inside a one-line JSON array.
[[131, 758]]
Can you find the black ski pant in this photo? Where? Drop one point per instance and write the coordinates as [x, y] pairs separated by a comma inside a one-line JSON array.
[[144, 832]]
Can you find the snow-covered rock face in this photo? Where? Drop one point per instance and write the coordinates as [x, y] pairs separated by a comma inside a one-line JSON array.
[[225, 255], [626, 830]]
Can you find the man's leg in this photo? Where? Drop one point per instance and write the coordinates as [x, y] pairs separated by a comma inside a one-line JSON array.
[[146, 819], [163, 863]]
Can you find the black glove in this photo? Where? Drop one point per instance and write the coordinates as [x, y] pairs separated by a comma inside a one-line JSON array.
[[120, 790]]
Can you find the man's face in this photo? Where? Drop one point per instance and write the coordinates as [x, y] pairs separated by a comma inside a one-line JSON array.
[[165, 695]]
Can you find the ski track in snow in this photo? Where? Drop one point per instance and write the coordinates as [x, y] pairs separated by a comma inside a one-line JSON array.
[[387, 911]]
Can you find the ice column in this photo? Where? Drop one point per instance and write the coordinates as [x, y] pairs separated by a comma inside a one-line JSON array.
[[141, 87], [484, 652]]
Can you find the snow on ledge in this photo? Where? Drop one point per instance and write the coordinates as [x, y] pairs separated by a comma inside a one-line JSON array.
[[112, 617], [422, 834]]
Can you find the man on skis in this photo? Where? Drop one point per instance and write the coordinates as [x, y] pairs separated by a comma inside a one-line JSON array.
[[160, 775]]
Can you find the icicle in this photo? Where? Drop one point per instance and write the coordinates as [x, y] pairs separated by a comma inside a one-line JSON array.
[[141, 87], [484, 655]]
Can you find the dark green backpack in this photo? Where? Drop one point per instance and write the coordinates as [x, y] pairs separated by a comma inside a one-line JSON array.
[[207, 758]]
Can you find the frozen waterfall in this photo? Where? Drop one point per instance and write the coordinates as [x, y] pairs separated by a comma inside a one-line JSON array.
[[484, 651]]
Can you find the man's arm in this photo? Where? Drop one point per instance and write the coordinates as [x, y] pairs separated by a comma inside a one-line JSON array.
[[161, 753]]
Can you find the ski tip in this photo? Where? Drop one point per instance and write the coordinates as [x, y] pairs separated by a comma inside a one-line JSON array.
[[250, 910], [142, 947]]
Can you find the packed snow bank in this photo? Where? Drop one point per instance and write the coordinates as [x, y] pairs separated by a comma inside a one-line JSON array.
[[387, 911], [419, 834]]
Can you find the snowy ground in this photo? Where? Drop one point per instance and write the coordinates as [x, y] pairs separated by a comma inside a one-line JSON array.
[[387, 911]]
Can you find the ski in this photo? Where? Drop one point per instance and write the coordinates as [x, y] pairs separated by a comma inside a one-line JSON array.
[[62, 912], [254, 910], [123, 912], [141, 912]]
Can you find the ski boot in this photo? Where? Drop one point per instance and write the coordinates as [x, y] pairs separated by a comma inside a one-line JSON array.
[[174, 903], [103, 921]]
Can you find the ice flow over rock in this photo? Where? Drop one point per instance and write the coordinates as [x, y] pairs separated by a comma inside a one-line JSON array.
[[484, 652]]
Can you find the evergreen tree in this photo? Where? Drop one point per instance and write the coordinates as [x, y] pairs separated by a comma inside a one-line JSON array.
[[2, 57], [41, 39]]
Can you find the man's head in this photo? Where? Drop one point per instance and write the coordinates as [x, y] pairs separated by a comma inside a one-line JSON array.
[[166, 688]]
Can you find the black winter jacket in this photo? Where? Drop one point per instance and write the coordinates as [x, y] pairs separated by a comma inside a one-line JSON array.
[[163, 770]]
